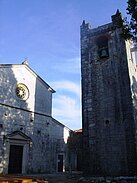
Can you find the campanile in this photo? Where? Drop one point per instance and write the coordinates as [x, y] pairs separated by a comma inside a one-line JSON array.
[[109, 100]]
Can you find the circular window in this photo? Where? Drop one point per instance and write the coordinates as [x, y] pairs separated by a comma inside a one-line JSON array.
[[22, 91]]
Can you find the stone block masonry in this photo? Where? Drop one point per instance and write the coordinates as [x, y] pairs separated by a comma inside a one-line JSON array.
[[108, 100]]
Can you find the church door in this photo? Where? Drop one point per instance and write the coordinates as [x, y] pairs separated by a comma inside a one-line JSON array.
[[15, 159], [60, 163]]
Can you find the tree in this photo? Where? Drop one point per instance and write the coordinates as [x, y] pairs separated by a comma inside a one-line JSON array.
[[130, 27]]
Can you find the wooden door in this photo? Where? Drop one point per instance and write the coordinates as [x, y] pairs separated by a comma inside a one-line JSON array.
[[15, 159]]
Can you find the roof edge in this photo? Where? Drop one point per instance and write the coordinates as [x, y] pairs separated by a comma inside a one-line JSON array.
[[32, 71]]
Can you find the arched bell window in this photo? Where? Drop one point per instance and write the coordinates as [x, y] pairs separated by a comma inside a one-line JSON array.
[[102, 43]]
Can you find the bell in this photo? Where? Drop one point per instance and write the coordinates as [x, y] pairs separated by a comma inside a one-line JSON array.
[[103, 53]]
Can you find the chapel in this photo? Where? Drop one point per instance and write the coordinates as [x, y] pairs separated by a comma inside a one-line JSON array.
[[31, 140]]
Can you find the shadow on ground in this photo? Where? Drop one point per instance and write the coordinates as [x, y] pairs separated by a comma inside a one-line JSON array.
[[75, 177]]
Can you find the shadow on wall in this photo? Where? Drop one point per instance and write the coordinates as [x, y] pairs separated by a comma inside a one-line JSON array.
[[13, 114], [48, 146], [134, 90], [75, 150]]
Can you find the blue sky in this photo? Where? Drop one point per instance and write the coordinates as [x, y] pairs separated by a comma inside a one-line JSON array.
[[47, 33]]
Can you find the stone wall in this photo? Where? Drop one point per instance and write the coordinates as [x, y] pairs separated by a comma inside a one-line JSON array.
[[107, 108], [46, 138]]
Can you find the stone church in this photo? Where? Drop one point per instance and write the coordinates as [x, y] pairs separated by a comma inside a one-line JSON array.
[[109, 100], [31, 140]]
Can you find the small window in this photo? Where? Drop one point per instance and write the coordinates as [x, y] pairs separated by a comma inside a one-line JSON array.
[[106, 122], [102, 43]]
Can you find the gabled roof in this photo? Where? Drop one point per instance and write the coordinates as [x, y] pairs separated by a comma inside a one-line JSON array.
[[18, 135], [31, 71], [61, 124]]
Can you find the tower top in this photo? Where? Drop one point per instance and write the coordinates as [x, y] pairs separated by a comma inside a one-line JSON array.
[[117, 19], [85, 27]]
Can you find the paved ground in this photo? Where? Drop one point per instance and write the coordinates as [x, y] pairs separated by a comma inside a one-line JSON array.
[[75, 177], [41, 178]]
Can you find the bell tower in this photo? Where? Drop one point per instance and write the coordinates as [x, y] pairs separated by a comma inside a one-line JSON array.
[[109, 100]]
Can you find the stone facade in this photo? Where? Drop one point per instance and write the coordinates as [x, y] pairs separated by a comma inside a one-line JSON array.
[[109, 100], [31, 141], [75, 147]]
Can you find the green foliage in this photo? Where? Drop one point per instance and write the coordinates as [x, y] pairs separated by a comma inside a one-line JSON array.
[[130, 27]]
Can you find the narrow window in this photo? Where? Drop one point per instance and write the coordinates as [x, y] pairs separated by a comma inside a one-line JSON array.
[[107, 122]]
